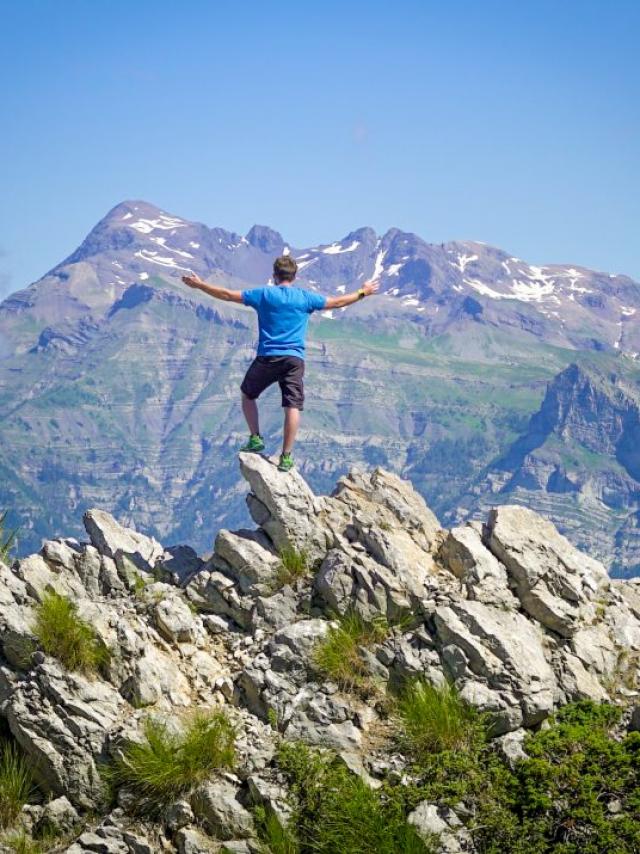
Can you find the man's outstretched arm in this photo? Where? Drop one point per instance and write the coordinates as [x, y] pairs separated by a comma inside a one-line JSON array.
[[366, 290], [213, 290]]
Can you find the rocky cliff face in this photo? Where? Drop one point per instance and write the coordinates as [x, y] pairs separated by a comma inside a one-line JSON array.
[[508, 610]]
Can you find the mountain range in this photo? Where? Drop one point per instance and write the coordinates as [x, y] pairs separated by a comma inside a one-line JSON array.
[[482, 378]]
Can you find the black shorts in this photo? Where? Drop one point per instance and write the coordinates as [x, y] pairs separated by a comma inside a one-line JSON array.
[[287, 371]]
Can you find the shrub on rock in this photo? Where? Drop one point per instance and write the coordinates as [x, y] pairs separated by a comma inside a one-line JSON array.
[[62, 634], [434, 718], [166, 764], [339, 657]]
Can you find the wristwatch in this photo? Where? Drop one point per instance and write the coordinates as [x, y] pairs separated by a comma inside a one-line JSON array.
[[361, 293]]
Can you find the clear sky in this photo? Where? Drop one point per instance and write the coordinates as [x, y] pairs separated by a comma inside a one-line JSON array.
[[516, 123]]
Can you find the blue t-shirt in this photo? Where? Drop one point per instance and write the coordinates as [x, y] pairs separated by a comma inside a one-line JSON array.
[[283, 314]]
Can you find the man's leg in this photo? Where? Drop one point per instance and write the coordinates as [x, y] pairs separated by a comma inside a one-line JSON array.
[[259, 376], [292, 387], [291, 424], [250, 412]]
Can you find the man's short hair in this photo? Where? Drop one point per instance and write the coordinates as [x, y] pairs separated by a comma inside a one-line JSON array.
[[284, 269]]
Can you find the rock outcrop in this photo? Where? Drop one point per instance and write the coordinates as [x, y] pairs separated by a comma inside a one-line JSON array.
[[509, 611]]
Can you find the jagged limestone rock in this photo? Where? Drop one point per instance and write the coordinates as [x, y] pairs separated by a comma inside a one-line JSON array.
[[388, 499], [174, 620], [178, 565], [351, 580], [110, 538], [59, 816], [192, 841], [503, 649], [39, 577], [482, 575], [217, 806], [248, 558], [556, 584], [61, 721], [215, 592], [630, 591], [440, 826], [284, 506], [575, 680]]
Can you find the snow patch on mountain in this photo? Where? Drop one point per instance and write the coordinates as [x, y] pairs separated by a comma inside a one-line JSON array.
[[163, 260], [533, 291], [378, 265], [463, 261], [162, 241], [166, 223], [338, 248]]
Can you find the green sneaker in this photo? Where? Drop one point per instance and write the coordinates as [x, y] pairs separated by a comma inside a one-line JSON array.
[[254, 445], [286, 462]]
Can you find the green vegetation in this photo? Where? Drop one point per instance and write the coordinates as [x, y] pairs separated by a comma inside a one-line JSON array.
[[272, 718], [339, 656], [558, 800], [19, 842], [434, 718], [166, 763], [294, 564], [577, 793], [575, 774], [334, 810], [278, 839], [64, 635], [16, 783], [7, 538]]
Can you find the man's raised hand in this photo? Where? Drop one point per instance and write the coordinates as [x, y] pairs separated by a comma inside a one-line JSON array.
[[193, 281], [371, 287]]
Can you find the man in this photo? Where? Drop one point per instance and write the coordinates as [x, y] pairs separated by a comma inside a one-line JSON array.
[[283, 313]]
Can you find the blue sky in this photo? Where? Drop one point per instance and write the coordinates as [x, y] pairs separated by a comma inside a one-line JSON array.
[[513, 123]]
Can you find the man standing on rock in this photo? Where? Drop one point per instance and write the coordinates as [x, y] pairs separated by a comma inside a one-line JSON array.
[[283, 313]]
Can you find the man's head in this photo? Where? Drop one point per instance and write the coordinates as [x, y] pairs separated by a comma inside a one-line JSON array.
[[284, 269]]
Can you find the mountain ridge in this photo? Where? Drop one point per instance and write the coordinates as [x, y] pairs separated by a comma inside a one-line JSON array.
[[115, 377]]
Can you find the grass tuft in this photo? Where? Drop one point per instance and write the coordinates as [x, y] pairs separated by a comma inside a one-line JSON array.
[[16, 783], [167, 764], [335, 811], [7, 539], [64, 635], [434, 718], [276, 838], [19, 842], [338, 656], [294, 564]]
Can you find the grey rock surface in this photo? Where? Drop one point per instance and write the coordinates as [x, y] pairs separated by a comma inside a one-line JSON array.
[[556, 584], [510, 612], [216, 804]]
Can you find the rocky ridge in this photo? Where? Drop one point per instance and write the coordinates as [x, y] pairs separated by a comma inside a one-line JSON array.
[[511, 612]]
